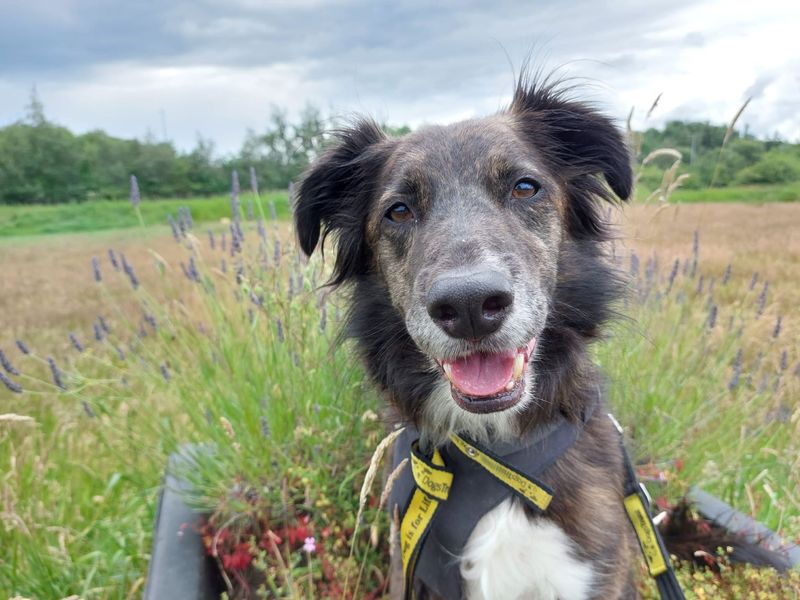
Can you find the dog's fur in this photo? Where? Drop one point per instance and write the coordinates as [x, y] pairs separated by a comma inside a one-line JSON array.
[[457, 181]]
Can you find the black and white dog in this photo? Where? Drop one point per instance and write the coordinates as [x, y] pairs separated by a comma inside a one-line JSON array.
[[474, 256]]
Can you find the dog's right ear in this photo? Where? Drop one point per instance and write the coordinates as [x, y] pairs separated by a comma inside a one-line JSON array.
[[333, 195]]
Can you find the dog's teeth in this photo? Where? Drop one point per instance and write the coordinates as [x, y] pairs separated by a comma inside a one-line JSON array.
[[510, 385], [448, 371], [519, 364]]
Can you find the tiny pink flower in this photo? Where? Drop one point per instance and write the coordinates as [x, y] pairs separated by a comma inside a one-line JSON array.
[[310, 545]]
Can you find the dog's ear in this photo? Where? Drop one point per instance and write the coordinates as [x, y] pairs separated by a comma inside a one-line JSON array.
[[573, 135], [333, 195]]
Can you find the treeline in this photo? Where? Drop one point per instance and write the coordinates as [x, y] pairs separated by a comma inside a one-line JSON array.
[[744, 159], [42, 162]]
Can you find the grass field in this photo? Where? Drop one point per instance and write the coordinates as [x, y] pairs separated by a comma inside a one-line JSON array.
[[22, 220], [751, 194], [77, 495], [92, 216]]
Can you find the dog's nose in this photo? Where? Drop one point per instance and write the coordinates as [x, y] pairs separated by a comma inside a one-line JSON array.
[[470, 305]]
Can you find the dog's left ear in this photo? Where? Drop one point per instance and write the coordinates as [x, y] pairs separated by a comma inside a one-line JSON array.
[[333, 196], [578, 137]]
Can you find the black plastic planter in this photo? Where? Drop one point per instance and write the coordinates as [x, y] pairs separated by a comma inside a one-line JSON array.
[[179, 569], [717, 511]]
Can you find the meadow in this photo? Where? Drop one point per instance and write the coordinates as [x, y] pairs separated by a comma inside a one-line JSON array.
[[233, 343]]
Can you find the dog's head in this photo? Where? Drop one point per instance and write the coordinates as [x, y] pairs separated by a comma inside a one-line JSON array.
[[473, 248]]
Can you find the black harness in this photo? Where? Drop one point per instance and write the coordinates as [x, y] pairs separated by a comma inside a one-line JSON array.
[[443, 496]]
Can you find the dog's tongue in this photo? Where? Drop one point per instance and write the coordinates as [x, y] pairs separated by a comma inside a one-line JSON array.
[[482, 374]]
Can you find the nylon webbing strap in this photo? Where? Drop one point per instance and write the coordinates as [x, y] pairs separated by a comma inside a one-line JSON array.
[[433, 482], [637, 507], [538, 494]]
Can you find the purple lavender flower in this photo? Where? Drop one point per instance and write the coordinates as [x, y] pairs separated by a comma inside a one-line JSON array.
[[120, 352], [762, 385], [98, 277], [699, 289], [7, 364], [711, 283], [273, 213], [276, 256], [737, 370], [181, 222], [113, 259], [235, 194], [762, 299], [193, 272], [187, 215], [211, 240], [23, 347], [777, 330], [753, 281], [265, 430], [673, 274], [165, 372], [129, 271], [323, 317], [712, 316], [279, 326], [103, 325], [726, 276], [174, 226], [135, 197], [76, 344], [262, 232], [290, 289], [98, 331], [58, 379], [223, 266], [236, 245], [87, 409], [11, 385], [253, 181], [150, 320], [634, 270], [222, 241], [784, 364]]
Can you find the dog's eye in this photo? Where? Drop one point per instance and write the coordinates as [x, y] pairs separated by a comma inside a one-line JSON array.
[[399, 213], [525, 189]]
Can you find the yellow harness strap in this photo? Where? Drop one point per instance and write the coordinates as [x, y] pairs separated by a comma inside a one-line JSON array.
[[433, 483], [525, 486]]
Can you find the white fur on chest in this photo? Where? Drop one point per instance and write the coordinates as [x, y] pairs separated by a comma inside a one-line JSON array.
[[511, 557]]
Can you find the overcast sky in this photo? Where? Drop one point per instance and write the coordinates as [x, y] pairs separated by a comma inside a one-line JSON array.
[[215, 68]]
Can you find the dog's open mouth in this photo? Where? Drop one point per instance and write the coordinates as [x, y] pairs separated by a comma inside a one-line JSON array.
[[485, 383]]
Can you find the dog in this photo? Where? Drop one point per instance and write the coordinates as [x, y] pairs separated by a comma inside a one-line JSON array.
[[474, 254]]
